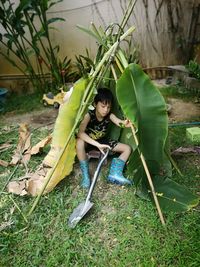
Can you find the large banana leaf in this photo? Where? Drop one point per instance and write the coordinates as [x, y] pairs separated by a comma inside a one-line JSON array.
[[64, 167], [68, 114], [173, 196], [142, 103], [64, 123]]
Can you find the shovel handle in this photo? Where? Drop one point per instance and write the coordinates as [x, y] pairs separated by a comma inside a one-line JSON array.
[[96, 174]]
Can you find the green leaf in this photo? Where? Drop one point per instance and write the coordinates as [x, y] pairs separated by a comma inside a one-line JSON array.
[[173, 196], [91, 33], [39, 34], [9, 36], [54, 3], [52, 20], [44, 5], [2, 14], [143, 104], [24, 4], [30, 52]]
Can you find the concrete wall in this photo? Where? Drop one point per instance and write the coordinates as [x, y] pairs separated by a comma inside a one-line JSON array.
[[160, 38]]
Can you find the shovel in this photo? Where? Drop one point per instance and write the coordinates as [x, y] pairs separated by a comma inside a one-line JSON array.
[[80, 211]]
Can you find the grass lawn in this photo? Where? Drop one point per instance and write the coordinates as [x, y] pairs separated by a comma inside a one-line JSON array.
[[120, 230]]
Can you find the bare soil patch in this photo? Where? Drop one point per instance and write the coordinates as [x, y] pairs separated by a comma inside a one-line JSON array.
[[180, 111], [36, 118], [183, 111]]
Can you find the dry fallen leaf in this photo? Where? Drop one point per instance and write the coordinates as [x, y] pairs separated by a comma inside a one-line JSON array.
[[6, 128], [24, 145], [187, 150], [4, 146], [31, 186], [3, 163], [17, 188], [38, 147], [35, 185]]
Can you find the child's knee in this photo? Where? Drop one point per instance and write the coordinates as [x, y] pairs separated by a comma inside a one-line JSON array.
[[128, 149], [80, 144]]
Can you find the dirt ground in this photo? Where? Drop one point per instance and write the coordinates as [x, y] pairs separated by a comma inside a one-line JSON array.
[[180, 112], [43, 117], [183, 111]]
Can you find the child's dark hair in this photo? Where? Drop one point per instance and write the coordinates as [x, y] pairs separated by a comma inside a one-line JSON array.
[[104, 95]]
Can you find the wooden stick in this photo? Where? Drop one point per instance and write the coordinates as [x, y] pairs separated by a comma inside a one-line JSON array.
[[149, 178], [9, 178], [24, 217]]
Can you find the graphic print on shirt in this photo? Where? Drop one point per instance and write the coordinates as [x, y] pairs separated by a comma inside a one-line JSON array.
[[97, 129]]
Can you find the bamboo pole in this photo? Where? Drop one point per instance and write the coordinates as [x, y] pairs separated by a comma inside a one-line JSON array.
[[148, 177]]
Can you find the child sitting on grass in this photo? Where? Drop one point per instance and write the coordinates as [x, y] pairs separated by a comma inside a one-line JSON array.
[[93, 130]]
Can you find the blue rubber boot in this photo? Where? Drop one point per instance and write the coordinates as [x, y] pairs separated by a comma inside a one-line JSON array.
[[115, 175], [85, 182]]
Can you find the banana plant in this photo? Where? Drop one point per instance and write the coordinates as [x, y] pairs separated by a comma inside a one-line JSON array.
[[64, 133], [141, 102], [22, 21]]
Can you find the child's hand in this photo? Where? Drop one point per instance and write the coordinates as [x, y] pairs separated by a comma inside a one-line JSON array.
[[127, 123], [103, 147]]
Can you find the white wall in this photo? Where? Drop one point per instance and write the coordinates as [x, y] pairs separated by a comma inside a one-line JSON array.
[[153, 33]]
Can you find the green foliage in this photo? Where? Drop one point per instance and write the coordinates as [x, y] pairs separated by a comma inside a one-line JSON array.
[[145, 107], [105, 39], [83, 65], [194, 69], [22, 103], [22, 21], [143, 104]]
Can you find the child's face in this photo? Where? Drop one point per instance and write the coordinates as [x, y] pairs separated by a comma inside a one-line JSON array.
[[103, 109]]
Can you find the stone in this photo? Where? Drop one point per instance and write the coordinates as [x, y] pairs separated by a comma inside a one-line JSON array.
[[193, 134], [192, 83]]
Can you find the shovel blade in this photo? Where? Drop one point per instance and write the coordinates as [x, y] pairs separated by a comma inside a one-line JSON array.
[[79, 212]]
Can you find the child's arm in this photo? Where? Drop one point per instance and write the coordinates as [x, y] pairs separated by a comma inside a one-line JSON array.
[[85, 137], [119, 122]]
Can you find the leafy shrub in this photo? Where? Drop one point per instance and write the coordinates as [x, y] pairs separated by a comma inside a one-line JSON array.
[[194, 69]]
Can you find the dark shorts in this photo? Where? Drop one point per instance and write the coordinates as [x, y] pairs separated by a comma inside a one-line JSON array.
[[110, 142]]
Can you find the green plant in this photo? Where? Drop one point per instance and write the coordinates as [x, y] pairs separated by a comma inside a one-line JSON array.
[[22, 103], [83, 65], [194, 69], [142, 103], [19, 23]]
